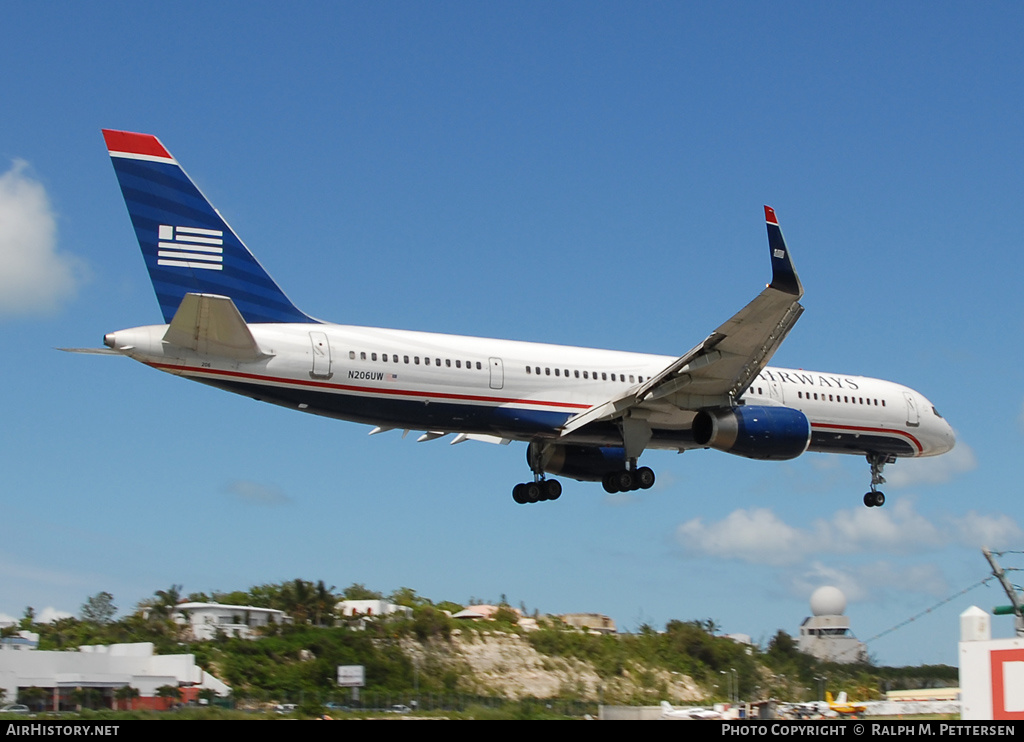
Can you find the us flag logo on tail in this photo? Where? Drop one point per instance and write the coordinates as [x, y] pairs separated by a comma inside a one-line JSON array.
[[190, 247]]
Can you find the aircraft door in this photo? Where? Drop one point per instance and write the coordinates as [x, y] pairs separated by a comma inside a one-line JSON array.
[[321, 356], [497, 374], [775, 392], [912, 417]]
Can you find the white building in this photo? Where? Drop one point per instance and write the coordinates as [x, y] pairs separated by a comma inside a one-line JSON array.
[[21, 642], [369, 608], [242, 621], [105, 668]]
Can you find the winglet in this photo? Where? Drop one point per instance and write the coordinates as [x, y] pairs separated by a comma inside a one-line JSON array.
[[784, 277]]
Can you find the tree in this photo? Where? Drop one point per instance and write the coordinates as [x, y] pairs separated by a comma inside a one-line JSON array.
[[167, 601], [89, 698], [170, 693], [406, 596], [63, 632], [359, 591], [324, 602], [34, 697], [99, 609], [127, 694], [505, 614]]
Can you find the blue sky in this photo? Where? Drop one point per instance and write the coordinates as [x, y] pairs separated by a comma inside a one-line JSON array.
[[579, 173]]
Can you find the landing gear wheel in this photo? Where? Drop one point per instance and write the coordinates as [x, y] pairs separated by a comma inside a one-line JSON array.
[[644, 477], [552, 489], [543, 489], [874, 499], [609, 483]]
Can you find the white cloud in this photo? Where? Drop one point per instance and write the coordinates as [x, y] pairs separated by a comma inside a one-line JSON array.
[[49, 614], [756, 536], [996, 531], [759, 536], [932, 469], [36, 277], [870, 582], [256, 493]]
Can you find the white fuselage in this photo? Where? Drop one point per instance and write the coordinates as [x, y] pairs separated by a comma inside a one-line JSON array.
[[520, 390]]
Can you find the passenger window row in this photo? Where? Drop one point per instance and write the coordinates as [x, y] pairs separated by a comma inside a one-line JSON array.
[[415, 360], [839, 398], [603, 376]]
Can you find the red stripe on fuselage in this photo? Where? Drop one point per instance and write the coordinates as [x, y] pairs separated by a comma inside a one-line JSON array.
[[193, 371], [860, 429]]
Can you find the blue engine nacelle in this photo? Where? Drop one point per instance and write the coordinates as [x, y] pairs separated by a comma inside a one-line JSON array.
[[770, 433], [582, 463]]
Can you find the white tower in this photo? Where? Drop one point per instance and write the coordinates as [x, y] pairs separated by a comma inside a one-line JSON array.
[[826, 635]]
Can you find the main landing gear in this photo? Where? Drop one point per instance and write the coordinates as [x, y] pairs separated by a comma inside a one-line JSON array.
[[537, 491], [628, 480], [874, 498]]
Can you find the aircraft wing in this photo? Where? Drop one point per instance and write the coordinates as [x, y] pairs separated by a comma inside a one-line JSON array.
[[720, 368]]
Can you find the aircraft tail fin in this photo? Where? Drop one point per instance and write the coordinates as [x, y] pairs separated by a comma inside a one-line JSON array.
[[828, 697], [187, 245]]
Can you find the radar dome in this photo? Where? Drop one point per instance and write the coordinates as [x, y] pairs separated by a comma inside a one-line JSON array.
[[828, 601]]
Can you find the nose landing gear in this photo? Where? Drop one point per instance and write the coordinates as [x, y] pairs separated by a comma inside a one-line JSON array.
[[874, 498]]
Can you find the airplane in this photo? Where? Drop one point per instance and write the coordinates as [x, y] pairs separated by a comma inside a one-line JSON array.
[[807, 710], [585, 414], [668, 711], [842, 705]]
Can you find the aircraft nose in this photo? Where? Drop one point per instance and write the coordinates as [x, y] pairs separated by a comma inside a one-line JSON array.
[[949, 436]]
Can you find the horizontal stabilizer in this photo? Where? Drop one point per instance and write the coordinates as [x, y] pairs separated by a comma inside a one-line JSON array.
[[212, 325], [92, 351]]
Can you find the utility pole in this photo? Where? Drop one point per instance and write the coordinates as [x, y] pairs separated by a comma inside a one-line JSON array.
[[1015, 599]]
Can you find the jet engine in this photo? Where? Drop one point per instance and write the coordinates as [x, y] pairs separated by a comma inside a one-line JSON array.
[[757, 432], [582, 463]]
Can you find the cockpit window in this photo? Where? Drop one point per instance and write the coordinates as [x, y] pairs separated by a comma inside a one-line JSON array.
[[936, 412]]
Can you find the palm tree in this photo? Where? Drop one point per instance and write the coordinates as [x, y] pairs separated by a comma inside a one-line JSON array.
[[324, 602], [167, 601]]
